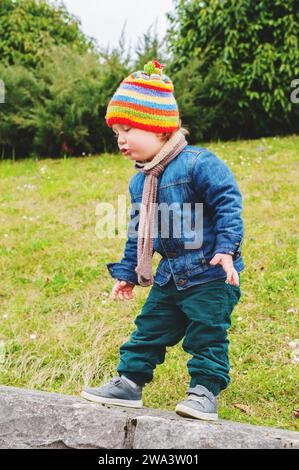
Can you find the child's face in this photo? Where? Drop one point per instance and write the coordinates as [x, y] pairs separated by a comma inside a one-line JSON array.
[[142, 145]]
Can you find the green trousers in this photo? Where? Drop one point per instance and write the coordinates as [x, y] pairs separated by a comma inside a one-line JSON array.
[[201, 315]]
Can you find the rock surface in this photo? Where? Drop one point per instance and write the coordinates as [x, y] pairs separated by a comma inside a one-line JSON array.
[[34, 419]]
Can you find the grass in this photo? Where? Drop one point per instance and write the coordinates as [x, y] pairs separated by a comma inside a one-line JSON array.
[[60, 331]]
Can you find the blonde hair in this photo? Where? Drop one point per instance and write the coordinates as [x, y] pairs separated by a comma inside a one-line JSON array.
[[164, 136]]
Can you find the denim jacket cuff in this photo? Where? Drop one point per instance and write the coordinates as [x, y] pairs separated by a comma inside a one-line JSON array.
[[235, 254], [229, 244], [123, 273]]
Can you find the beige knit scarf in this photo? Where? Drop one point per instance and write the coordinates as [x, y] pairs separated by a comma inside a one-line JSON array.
[[152, 170]]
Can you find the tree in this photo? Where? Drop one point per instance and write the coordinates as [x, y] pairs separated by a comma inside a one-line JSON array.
[[235, 60], [149, 47], [17, 127], [28, 28], [69, 115]]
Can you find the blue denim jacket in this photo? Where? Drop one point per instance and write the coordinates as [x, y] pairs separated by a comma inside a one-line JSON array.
[[196, 175]]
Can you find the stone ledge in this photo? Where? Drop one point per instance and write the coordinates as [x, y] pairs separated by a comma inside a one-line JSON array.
[[32, 419]]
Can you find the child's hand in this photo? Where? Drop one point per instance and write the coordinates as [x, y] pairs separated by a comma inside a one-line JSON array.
[[122, 290], [226, 261]]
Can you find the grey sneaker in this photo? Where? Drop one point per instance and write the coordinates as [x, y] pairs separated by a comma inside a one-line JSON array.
[[117, 392], [200, 404]]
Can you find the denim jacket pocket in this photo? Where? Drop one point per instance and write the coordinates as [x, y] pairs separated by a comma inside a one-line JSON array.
[[196, 262]]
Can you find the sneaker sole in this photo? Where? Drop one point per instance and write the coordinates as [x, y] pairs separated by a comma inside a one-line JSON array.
[[183, 410], [112, 401]]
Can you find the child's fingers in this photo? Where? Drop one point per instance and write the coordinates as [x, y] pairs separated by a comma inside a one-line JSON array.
[[121, 294], [122, 291], [128, 292], [229, 274], [235, 278], [119, 285], [232, 277], [125, 294], [113, 293]]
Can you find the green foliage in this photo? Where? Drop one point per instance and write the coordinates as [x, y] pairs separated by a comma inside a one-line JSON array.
[[67, 117], [17, 127], [233, 63], [147, 47], [59, 108], [29, 27], [57, 91]]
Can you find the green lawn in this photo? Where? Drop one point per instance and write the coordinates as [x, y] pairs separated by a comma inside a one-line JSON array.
[[60, 331]]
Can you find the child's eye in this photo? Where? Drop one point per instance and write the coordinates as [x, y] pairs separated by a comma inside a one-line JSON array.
[[126, 130]]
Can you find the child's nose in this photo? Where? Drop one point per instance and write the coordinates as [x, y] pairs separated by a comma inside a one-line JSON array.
[[121, 139]]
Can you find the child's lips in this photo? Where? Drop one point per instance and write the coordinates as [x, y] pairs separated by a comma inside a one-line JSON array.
[[125, 151]]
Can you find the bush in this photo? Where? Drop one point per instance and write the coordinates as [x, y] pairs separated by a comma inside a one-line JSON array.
[[233, 64], [17, 126], [28, 28]]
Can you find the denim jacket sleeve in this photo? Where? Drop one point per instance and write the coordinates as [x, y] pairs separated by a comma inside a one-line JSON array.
[[125, 269], [216, 183]]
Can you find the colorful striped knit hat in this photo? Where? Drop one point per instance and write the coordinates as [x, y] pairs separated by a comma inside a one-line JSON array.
[[145, 100]]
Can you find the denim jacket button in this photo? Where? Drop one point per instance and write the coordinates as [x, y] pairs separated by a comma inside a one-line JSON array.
[[181, 282]]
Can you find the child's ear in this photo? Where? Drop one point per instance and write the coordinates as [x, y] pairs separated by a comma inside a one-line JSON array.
[[163, 136]]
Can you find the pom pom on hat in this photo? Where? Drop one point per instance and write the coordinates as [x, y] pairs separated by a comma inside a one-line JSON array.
[[145, 100], [153, 67]]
